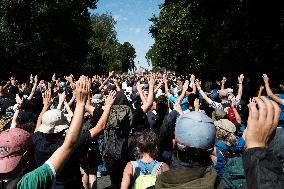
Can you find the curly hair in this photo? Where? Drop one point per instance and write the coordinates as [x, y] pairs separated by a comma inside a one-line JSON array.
[[148, 143]]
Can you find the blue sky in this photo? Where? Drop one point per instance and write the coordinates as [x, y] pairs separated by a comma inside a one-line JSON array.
[[132, 22]]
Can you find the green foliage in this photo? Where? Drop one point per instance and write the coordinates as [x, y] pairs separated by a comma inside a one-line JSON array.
[[44, 37], [219, 37], [106, 52]]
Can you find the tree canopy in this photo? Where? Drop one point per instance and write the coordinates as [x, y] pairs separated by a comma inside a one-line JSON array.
[[219, 37], [43, 37]]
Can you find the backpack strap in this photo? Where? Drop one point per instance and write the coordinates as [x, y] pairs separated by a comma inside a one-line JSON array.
[[135, 169], [157, 168]]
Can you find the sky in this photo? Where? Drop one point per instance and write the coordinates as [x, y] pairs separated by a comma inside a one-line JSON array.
[[132, 23]]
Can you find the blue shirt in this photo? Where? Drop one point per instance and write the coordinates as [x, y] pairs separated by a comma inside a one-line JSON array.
[[184, 102]]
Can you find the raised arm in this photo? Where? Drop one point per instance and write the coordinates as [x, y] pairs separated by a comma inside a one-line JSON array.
[[260, 91], [61, 100], [223, 83], [192, 79], [68, 109], [104, 83], [141, 93], [166, 86], [237, 115], [260, 164], [269, 91], [61, 155], [240, 90], [88, 107], [184, 89], [151, 81], [34, 88], [104, 118], [206, 98], [46, 100]]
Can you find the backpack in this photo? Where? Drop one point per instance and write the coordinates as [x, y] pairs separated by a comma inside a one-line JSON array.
[[234, 175], [116, 135], [145, 180], [11, 184]]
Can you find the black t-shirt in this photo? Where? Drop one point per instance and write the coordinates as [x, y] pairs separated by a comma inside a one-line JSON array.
[[12, 91], [46, 144], [140, 122]]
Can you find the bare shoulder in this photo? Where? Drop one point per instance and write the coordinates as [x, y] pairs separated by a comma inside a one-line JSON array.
[[128, 168], [164, 169]]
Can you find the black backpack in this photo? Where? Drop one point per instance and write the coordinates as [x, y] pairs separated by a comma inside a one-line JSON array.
[[116, 135]]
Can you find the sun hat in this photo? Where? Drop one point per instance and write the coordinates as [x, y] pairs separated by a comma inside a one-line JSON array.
[[219, 114], [97, 98], [195, 129], [226, 131], [53, 121], [14, 143]]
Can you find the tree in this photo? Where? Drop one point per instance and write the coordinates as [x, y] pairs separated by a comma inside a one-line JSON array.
[[126, 56], [46, 36], [106, 52], [103, 43], [219, 37]]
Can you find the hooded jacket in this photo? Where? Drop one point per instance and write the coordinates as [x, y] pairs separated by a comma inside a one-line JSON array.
[[187, 178]]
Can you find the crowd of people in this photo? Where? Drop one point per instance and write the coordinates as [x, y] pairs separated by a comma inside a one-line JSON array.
[[144, 130]]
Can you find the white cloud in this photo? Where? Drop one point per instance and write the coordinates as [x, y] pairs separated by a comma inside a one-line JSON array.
[[118, 17], [135, 30]]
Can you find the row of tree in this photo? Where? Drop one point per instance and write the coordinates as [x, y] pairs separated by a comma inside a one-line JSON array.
[[59, 36], [219, 37]]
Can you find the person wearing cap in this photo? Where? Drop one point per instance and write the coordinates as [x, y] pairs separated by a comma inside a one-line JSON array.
[[223, 95], [226, 143], [15, 150], [194, 142]]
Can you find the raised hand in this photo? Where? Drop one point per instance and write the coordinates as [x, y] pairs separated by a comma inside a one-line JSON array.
[[110, 99], [265, 78], [152, 80], [262, 122], [36, 79], [62, 97], [46, 99], [241, 78], [31, 78], [224, 80], [53, 77], [185, 86], [111, 73], [198, 84], [82, 90]]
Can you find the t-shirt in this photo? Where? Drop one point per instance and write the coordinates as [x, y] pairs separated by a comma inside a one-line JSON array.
[[41, 178], [184, 102], [47, 144], [140, 122]]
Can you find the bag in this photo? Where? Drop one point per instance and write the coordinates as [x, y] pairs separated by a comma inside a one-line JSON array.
[[116, 135], [234, 175], [142, 180], [11, 184]]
